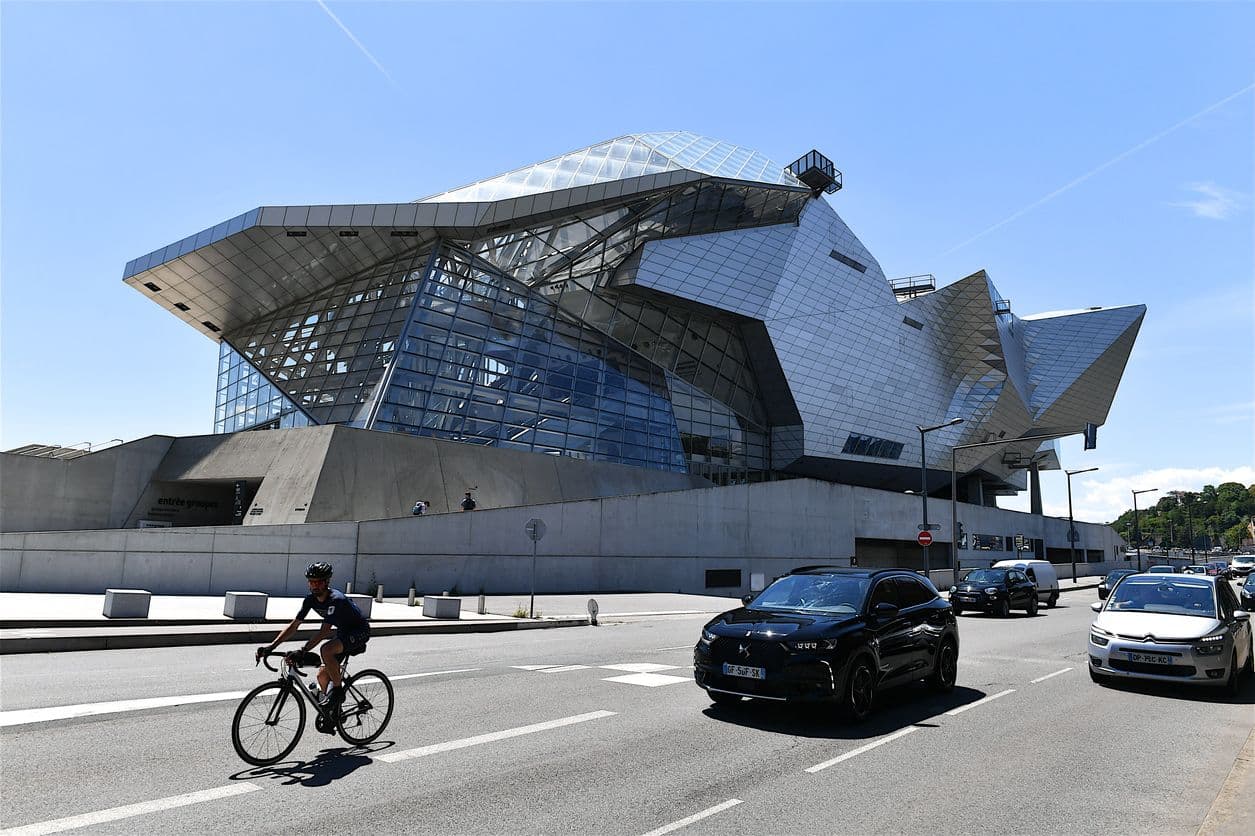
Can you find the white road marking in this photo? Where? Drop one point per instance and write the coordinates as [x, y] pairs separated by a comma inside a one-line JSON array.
[[649, 680], [564, 669], [860, 750], [128, 811], [640, 667], [491, 737], [688, 646], [963, 708], [532, 667], [1047, 676], [676, 825], [22, 716], [430, 673]]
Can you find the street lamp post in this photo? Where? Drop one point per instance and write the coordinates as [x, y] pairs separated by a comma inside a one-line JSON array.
[[1071, 522], [1137, 528], [1189, 523], [923, 483]]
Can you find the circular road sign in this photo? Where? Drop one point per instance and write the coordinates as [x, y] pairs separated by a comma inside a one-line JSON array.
[[924, 538], [535, 528]]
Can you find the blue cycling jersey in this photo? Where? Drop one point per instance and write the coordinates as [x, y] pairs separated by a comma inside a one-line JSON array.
[[337, 610]]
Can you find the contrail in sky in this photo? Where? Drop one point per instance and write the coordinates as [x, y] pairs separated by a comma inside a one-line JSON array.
[[358, 44], [1100, 168]]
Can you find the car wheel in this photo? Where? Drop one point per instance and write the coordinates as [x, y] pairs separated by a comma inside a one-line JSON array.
[[860, 691], [1003, 609], [947, 669], [1054, 599], [1233, 684], [1096, 676], [720, 698], [1250, 662], [1032, 606]]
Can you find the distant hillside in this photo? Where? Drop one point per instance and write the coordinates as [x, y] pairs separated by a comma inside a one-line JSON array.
[[1215, 516]]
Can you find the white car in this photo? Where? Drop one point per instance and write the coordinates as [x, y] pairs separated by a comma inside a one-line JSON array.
[[1171, 628]]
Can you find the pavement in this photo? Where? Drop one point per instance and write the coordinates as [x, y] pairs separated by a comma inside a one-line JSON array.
[[50, 622]]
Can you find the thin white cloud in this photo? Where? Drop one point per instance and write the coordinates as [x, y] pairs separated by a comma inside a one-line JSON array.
[[1212, 201], [1068, 186], [358, 44], [1097, 499]]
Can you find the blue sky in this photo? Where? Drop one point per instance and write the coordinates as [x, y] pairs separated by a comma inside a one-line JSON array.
[[1116, 141]]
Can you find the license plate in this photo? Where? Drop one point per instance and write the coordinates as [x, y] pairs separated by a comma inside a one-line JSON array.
[[743, 671], [967, 597], [1150, 658]]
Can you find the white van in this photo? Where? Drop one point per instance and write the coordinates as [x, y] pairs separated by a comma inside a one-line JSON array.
[[1039, 572]]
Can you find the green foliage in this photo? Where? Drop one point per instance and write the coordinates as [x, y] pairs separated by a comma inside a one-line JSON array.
[[1214, 516], [520, 611]]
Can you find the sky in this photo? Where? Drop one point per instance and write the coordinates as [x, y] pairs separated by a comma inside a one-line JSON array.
[[1083, 154]]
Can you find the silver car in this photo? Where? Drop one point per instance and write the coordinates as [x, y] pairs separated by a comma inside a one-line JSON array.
[[1171, 628]]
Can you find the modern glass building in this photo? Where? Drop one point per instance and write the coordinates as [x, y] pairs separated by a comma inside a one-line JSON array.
[[663, 300]]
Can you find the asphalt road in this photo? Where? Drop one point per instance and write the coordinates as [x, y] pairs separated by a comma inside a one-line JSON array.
[[586, 753]]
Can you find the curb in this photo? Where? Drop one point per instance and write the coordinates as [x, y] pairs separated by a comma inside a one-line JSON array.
[[136, 637]]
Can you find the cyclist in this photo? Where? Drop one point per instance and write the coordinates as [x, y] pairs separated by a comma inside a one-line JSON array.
[[343, 626]]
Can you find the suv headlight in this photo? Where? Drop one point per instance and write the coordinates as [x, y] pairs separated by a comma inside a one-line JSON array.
[[991, 590], [708, 637], [819, 644], [1210, 645], [1095, 638]]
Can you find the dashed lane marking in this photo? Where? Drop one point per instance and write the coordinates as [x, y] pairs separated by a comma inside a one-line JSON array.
[[22, 716], [128, 811], [1047, 676], [640, 667], [710, 811], [448, 746], [963, 708], [860, 750], [430, 673], [649, 680]]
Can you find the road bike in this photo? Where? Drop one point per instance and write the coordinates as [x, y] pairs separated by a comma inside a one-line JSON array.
[[270, 719]]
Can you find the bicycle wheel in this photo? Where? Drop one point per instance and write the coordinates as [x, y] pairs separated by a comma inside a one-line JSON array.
[[268, 723], [367, 707]]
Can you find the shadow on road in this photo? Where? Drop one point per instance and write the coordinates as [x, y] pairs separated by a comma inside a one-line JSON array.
[[895, 709], [331, 764], [1184, 693]]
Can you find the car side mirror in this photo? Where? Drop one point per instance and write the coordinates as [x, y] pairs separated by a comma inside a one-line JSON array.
[[1242, 615], [885, 610], [745, 599], [1096, 606]]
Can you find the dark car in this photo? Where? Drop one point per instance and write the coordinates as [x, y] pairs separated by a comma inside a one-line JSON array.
[[1246, 595], [996, 591], [1109, 583], [827, 634]]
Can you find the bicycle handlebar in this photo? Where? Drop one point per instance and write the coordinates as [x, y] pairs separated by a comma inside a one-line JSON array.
[[296, 658]]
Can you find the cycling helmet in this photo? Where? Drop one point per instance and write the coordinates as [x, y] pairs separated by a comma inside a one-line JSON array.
[[319, 571]]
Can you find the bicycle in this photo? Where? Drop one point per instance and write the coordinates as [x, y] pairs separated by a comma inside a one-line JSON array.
[[270, 719]]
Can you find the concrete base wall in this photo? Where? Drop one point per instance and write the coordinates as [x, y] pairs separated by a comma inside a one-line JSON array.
[[663, 542]]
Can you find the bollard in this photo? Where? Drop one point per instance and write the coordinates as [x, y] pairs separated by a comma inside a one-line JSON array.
[[379, 594], [348, 588], [483, 607], [413, 595]]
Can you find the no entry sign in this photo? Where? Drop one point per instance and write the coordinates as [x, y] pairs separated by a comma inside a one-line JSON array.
[[924, 538]]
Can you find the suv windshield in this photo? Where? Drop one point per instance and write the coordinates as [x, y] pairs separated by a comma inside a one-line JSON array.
[[986, 576], [1174, 596], [814, 593]]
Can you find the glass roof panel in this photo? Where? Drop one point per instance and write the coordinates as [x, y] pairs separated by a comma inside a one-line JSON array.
[[633, 155]]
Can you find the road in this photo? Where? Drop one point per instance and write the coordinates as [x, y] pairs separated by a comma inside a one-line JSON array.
[[572, 747]]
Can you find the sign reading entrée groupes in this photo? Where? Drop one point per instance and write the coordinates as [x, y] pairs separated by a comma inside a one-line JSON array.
[[924, 538]]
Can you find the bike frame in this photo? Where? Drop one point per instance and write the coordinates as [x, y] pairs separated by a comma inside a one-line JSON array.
[[289, 671]]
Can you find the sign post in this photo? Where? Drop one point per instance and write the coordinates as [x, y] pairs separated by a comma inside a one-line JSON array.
[[535, 529]]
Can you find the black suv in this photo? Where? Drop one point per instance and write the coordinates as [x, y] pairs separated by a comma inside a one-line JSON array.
[[1113, 577], [996, 591], [830, 634]]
